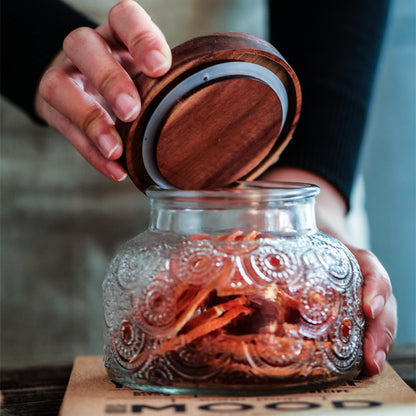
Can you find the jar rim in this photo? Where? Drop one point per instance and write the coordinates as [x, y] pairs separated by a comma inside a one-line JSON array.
[[250, 190]]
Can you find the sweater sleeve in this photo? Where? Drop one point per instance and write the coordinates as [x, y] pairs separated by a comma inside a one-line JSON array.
[[32, 33], [333, 46]]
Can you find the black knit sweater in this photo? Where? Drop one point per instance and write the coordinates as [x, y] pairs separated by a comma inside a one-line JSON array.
[[333, 46]]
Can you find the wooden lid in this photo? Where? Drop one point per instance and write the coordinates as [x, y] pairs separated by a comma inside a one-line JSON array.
[[224, 112]]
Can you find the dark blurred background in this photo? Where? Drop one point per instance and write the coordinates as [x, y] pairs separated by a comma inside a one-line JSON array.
[[61, 221]]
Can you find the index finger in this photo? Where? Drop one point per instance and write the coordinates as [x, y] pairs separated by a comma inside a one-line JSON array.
[[144, 40]]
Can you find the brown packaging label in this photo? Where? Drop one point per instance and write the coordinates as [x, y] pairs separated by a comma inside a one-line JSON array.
[[90, 392]]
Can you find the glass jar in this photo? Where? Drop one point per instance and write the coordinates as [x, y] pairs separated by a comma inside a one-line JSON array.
[[233, 291]]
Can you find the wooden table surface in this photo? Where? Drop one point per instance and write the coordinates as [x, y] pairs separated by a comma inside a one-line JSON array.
[[39, 390]]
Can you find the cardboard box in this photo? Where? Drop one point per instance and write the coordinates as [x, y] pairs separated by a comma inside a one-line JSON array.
[[91, 393]]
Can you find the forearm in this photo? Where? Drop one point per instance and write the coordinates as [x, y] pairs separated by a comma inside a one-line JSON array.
[[333, 48]]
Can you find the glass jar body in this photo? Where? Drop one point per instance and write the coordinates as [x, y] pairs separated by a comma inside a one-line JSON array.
[[233, 292]]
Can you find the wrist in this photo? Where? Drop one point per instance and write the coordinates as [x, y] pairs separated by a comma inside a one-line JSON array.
[[331, 208]]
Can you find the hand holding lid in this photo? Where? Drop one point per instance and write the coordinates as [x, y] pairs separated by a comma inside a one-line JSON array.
[[224, 112]]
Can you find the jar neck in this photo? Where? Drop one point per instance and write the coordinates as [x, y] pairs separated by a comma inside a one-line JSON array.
[[263, 210]]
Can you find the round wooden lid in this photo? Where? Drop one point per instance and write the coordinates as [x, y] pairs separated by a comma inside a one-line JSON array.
[[224, 112]]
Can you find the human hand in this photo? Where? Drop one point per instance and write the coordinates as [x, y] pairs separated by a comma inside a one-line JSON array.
[[89, 83], [380, 310], [379, 303]]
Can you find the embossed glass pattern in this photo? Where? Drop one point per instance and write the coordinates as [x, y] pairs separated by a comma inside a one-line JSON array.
[[233, 291]]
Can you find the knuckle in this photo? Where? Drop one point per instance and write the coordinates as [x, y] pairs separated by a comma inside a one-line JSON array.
[[362, 252], [391, 306], [120, 8], [376, 272], [90, 155], [381, 277], [117, 8], [146, 39], [384, 279], [91, 121], [108, 81], [51, 79], [144, 34], [390, 336], [74, 38]]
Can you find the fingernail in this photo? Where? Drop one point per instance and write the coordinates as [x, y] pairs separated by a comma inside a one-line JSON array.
[[155, 61], [127, 107], [377, 305], [108, 145], [116, 172], [120, 178], [379, 360]]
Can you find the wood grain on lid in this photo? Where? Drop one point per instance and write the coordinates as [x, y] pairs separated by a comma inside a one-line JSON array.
[[218, 131]]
